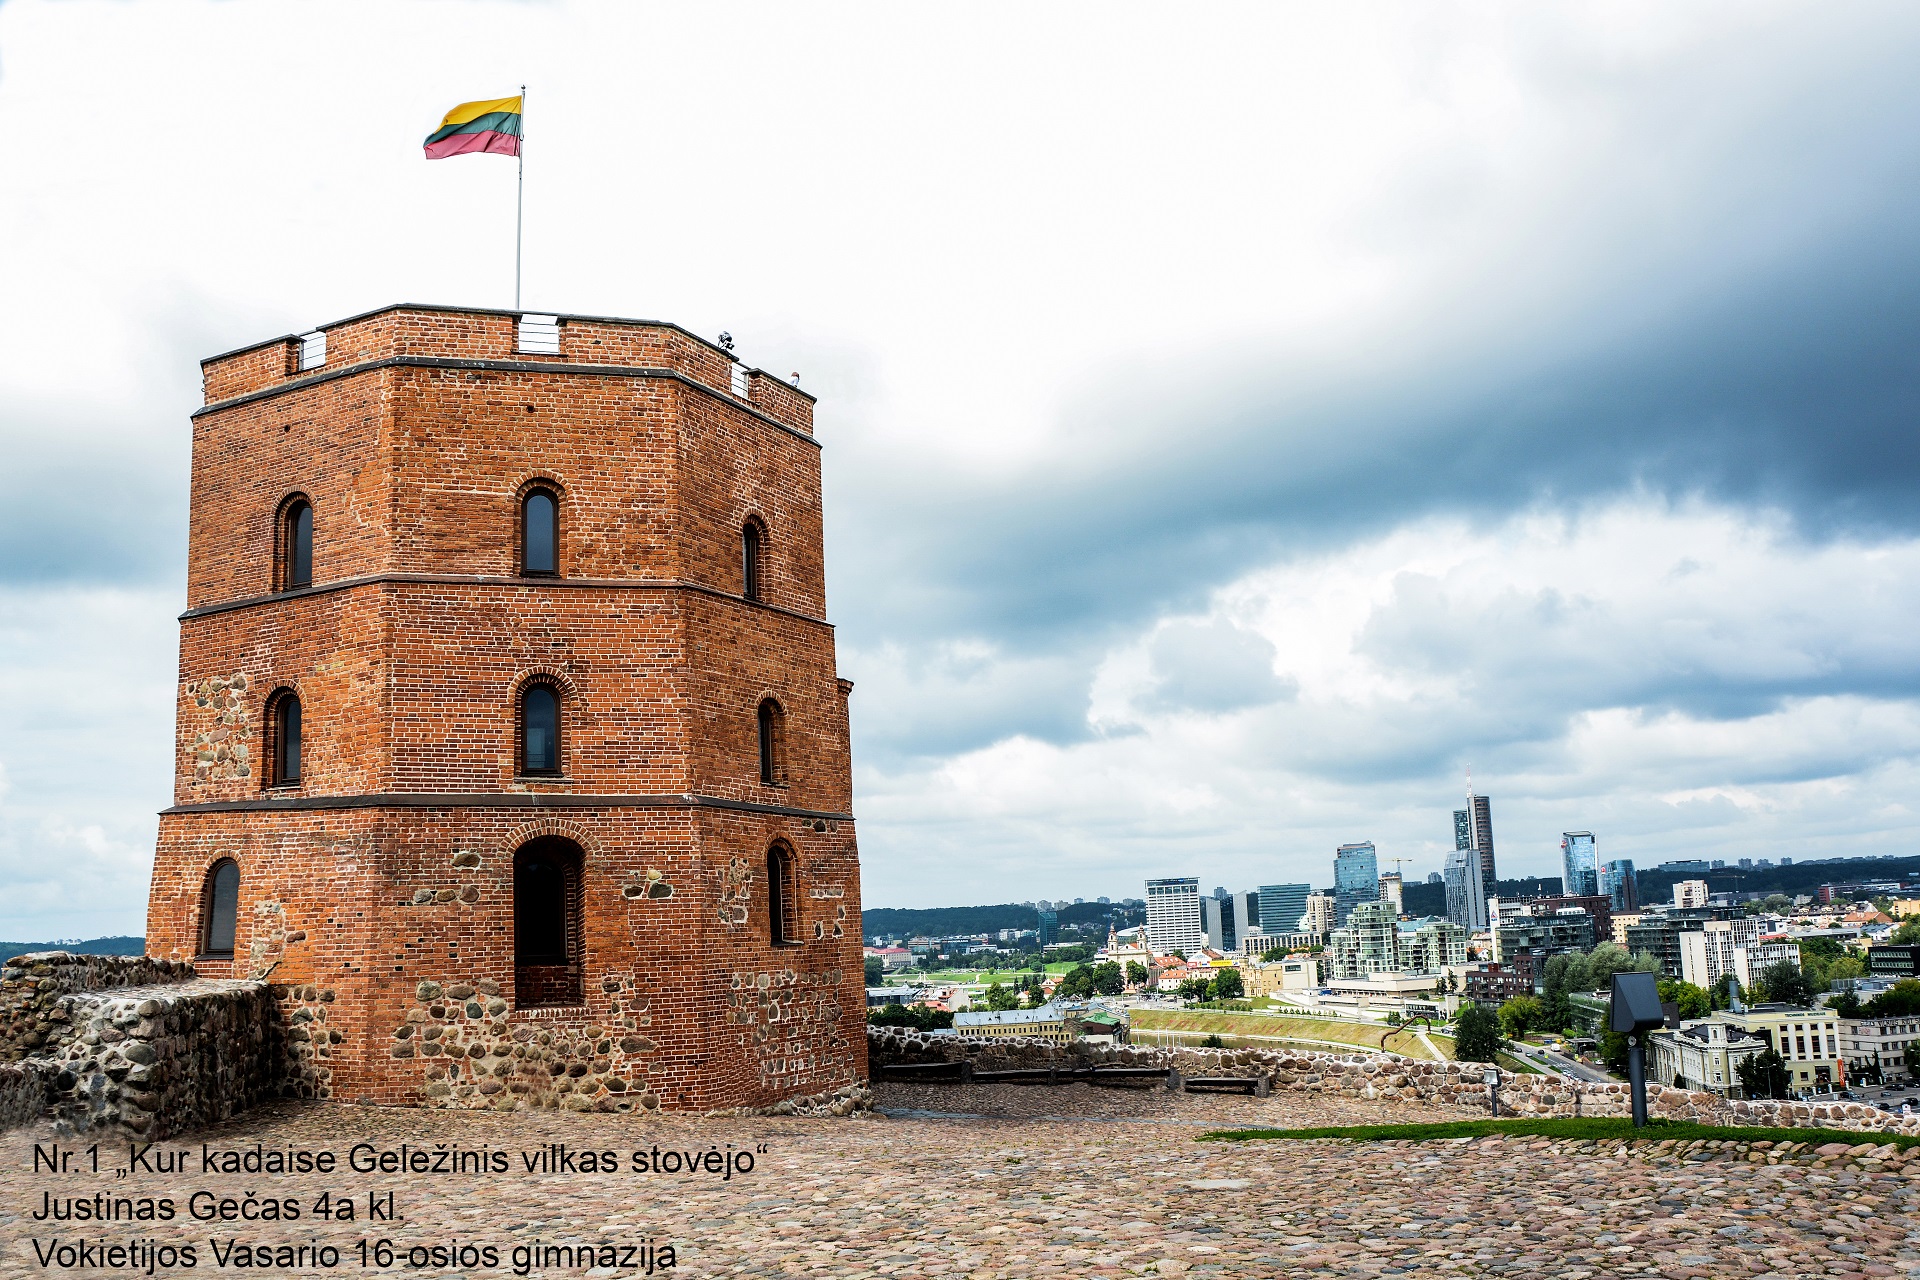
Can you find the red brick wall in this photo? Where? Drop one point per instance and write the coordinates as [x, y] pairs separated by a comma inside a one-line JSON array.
[[370, 916]]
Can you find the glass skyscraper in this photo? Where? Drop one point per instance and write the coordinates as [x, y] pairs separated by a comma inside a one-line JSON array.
[[1473, 829], [1356, 878], [1281, 906], [1579, 872], [1466, 892], [1617, 882]]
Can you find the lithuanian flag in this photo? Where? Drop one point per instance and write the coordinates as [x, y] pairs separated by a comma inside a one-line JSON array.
[[487, 127]]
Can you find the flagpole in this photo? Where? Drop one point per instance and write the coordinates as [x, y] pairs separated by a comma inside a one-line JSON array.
[[519, 195]]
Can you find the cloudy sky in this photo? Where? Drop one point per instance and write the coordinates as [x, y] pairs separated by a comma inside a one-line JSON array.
[[1239, 421]]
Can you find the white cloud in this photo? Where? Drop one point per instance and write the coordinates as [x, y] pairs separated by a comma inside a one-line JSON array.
[[1760, 703]]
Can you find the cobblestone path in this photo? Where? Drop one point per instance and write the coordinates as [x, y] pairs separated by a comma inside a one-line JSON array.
[[1068, 1181]]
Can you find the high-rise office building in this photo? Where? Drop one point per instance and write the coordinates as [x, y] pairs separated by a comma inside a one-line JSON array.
[[1245, 907], [1617, 883], [1225, 920], [1393, 890], [1356, 878], [1579, 869], [1049, 930], [1473, 829], [1282, 907], [1466, 891], [1173, 915]]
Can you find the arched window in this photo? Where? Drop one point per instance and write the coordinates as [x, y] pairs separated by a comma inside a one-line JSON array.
[[772, 724], [296, 545], [540, 729], [783, 900], [540, 533], [546, 923], [283, 739], [752, 549], [219, 908]]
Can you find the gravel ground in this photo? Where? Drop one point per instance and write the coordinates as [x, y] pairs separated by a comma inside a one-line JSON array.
[[1115, 1186]]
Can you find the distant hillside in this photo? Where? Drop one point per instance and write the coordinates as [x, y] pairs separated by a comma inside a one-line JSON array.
[[943, 922], [116, 946], [1802, 877], [1422, 899]]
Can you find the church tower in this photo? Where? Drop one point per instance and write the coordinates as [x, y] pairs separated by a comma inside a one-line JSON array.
[[510, 745]]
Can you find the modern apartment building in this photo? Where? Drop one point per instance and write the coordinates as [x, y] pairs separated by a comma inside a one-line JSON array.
[[1689, 893], [1321, 913], [1567, 930], [1722, 947], [1282, 906], [1173, 915], [1579, 869], [1356, 879]]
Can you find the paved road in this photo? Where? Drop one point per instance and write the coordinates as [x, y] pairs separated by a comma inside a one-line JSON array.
[[1570, 1067]]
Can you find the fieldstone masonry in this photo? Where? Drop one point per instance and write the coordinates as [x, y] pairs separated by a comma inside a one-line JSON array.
[[1388, 1077], [135, 1045], [34, 1016]]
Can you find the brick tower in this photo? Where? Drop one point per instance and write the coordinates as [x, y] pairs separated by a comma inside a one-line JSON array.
[[510, 746]]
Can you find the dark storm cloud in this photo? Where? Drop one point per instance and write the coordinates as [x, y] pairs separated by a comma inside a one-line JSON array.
[[1766, 354]]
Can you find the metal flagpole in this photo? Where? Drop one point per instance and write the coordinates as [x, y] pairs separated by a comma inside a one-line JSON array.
[[519, 196]]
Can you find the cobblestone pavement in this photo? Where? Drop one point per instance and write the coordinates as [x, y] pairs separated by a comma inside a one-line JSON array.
[[1116, 1186]]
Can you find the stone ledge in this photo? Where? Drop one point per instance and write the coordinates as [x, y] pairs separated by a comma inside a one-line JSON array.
[[1388, 1077]]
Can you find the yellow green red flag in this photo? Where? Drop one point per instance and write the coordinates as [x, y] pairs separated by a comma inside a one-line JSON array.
[[491, 127]]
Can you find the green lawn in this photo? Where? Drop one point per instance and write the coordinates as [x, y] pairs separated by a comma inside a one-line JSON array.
[[1581, 1130]]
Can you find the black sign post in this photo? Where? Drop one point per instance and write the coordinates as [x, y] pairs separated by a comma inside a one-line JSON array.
[[1634, 1012]]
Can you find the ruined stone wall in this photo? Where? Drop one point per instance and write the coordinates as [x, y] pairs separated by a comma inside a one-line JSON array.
[[23, 1093], [159, 1060], [34, 1020], [1390, 1077]]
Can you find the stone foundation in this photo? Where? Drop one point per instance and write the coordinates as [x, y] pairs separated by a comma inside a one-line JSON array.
[[1387, 1076]]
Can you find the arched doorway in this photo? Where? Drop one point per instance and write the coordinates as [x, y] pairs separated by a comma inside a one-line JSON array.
[[547, 934]]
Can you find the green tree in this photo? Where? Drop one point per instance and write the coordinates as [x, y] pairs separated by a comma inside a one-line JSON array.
[[1777, 904], [1521, 1015], [1213, 1042], [1194, 989], [1476, 1034], [917, 1016], [1901, 1000], [1272, 954], [1613, 1051], [1724, 991], [1694, 1001], [1108, 980], [1136, 973], [876, 971], [1846, 1005], [1077, 984], [1907, 934], [1036, 998], [1604, 961], [1764, 1075], [1000, 999], [1646, 962], [1393, 1018], [1226, 985], [1785, 983]]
